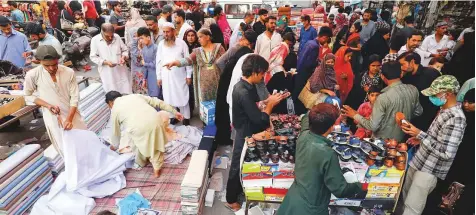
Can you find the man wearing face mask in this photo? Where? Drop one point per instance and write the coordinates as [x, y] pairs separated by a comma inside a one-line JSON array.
[[438, 145], [396, 97], [421, 77], [110, 54], [58, 94]]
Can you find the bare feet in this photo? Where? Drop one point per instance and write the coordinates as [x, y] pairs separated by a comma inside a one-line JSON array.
[[157, 173], [233, 206]]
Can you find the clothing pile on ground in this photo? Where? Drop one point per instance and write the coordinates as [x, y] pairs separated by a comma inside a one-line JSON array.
[[92, 107], [54, 160], [195, 183], [177, 150], [93, 173], [24, 177]]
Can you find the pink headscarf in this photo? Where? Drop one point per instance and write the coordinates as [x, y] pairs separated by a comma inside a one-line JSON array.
[[136, 19], [224, 27]]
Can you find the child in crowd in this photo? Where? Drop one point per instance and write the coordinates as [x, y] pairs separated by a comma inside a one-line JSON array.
[[80, 23], [365, 110]]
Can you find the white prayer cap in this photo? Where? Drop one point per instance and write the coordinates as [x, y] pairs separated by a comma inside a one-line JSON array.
[[169, 25]]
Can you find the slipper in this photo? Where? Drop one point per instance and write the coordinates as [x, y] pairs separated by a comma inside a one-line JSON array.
[[230, 208]]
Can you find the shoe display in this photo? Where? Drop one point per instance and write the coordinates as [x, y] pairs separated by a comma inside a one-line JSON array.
[[365, 147], [346, 155], [358, 155], [339, 149], [275, 158], [264, 157], [354, 142]]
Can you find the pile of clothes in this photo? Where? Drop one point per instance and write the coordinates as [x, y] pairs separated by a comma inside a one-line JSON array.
[[92, 107], [195, 183], [78, 47], [24, 177], [177, 150], [55, 161]]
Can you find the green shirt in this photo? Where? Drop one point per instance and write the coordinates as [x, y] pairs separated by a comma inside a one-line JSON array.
[[318, 174]]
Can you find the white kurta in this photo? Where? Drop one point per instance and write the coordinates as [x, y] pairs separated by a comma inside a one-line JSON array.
[[174, 85], [185, 27], [116, 78], [424, 55], [64, 94], [236, 35], [236, 75], [430, 45], [264, 44]]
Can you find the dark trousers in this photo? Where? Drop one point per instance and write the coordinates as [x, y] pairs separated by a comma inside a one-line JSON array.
[[233, 187], [91, 22]]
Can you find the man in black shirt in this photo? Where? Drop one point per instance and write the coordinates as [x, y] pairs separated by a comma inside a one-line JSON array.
[[248, 119], [421, 77], [259, 27]]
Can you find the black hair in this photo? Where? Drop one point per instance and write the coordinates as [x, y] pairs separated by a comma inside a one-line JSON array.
[[4, 21], [331, 15], [325, 31], [268, 18], [113, 4], [156, 12], [409, 20], [469, 96], [105, 212], [374, 89], [306, 18], [397, 42], [322, 117], [34, 28], [112, 95], [262, 11], [289, 37], [373, 58], [254, 63], [357, 26], [150, 18], [374, 16], [348, 9], [217, 11], [340, 10], [409, 56], [437, 60], [415, 33], [385, 15], [62, 4], [368, 11], [12, 3], [347, 51], [143, 31], [180, 13], [383, 31], [391, 70]]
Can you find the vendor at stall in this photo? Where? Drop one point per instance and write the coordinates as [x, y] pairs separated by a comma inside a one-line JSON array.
[[317, 177], [58, 94], [137, 115], [248, 119]]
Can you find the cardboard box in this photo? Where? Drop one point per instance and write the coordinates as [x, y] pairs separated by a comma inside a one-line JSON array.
[[254, 193], [257, 180], [384, 172], [12, 106], [274, 191], [383, 187], [269, 167], [207, 112], [251, 168], [274, 198], [380, 195]]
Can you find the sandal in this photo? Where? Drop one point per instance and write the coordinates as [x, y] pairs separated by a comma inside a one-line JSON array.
[[227, 205]]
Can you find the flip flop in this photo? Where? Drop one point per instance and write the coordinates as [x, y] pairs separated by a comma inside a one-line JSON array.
[[230, 208]]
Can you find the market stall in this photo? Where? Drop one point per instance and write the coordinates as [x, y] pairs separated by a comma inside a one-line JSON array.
[[267, 170]]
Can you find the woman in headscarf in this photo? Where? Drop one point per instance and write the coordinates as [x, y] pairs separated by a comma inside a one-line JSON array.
[[340, 21], [54, 15], [377, 44], [277, 56], [344, 74], [217, 35], [353, 37], [190, 37], [222, 113], [282, 26], [323, 79], [208, 22], [461, 64], [221, 21], [132, 25], [339, 38], [321, 10]]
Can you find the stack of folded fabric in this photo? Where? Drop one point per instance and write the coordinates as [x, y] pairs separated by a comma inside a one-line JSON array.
[[92, 107], [195, 183], [54, 159], [24, 177]]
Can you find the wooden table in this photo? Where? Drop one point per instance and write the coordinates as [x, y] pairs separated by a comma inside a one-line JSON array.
[[20, 114]]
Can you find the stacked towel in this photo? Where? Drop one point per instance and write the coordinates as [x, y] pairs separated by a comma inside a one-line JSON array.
[[24, 177], [195, 183], [92, 107], [54, 160]]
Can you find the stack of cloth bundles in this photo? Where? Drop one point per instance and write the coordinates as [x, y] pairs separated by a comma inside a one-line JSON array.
[[195, 183], [24, 177], [92, 107], [188, 139], [55, 161]]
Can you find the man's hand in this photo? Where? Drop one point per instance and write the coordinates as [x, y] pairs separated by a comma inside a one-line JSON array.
[[410, 129], [275, 99], [122, 61], [144, 84], [54, 109], [179, 116], [413, 141], [26, 54], [109, 63], [67, 124], [159, 82], [349, 112], [142, 62], [189, 81]]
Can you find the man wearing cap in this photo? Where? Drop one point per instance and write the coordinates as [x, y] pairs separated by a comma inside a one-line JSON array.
[[260, 26], [110, 54], [174, 81], [438, 145], [14, 46], [237, 32], [58, 94], [248, 39], [436, 44], [396, 97]]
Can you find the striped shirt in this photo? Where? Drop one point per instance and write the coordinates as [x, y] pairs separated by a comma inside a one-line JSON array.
[[397, 97], [440, 143]]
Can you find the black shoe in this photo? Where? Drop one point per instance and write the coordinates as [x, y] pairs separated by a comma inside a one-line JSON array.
[[173, 121], [186, 122]]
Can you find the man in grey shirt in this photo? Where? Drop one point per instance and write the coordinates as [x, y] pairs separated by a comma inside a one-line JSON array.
[[396, 97], [248, 39], [368, 27]]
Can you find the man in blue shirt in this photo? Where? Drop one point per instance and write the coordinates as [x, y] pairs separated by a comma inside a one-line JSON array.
[[16, 15], [14, 46], [307, 32]]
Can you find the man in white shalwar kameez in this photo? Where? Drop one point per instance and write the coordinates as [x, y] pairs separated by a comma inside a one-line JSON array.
[[57, 94], [110, 54], [182, 26], [175, 81]]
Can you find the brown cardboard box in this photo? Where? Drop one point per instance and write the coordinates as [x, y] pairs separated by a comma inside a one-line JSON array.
[[13, 106]]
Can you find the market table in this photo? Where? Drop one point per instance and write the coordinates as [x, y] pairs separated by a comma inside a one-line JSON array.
[[20, 114]]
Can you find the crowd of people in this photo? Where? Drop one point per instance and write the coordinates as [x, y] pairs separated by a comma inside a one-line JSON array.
[[179, 55]]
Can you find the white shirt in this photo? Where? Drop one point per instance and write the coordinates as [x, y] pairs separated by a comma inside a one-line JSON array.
[[236, 35], [423, 54], [235, 78], [466, 30], [161, 23], [185, 27], [430, 45], [264, 44]]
